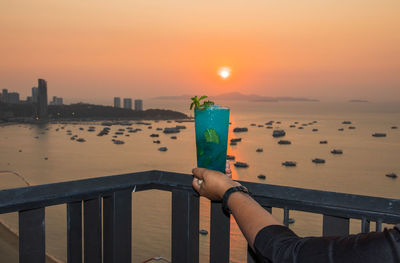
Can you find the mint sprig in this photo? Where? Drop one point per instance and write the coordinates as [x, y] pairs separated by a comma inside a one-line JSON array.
[[196, 103]]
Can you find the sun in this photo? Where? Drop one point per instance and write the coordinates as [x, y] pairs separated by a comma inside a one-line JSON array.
[[224, 72]]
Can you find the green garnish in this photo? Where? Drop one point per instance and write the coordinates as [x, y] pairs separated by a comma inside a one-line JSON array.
[[211, 136], [196, 103]]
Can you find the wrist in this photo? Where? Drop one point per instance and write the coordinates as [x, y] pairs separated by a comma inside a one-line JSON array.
[[227, 187], [228, 194]]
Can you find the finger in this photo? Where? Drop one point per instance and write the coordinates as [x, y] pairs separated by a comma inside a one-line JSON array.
[[199, 172], [196, 185]]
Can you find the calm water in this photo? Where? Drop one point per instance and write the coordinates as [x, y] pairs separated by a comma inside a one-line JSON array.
[[361, 169]]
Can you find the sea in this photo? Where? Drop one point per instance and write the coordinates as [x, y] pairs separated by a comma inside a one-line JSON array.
[[39, 154]]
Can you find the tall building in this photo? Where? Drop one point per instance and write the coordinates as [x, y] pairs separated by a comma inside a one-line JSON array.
[[117, 102], [127, 103], [42, 112], [139, 105], [13, 97], [35, 92], [4, 96]]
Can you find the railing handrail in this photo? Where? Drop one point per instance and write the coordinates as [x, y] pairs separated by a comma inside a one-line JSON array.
[[316, 201]]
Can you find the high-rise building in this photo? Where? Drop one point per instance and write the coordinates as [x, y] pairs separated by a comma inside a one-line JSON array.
[[139, 105], [117, 102], [13, 97], [4, 96], [35, 92], [127, 103], [56, 101], [42, 99]]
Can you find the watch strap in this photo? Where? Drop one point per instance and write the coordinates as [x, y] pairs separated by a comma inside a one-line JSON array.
[[228, 193]]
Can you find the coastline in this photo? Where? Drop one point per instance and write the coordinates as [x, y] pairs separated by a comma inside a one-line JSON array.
[[9, 237]]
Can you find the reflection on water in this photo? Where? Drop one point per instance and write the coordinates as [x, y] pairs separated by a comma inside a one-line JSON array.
[[49, 156]]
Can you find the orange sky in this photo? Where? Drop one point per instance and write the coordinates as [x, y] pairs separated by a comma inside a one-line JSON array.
[[95, 50]]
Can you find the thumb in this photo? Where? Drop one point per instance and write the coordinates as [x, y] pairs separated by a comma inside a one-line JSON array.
[[196, 185], [198, 173]]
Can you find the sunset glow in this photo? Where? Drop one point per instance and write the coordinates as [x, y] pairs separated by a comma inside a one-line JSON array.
[[224, 72], [99, 49]]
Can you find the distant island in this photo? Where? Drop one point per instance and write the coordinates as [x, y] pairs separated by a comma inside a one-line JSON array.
[[362, 101], [241, 96], [84, 112]]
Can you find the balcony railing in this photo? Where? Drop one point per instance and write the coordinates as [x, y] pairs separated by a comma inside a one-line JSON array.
[[112, 240]]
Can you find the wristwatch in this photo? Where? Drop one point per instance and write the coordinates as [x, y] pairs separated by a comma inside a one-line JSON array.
[[228, 193]]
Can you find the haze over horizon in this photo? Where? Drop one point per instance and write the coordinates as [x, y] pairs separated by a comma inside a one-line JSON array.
[[95, 50]]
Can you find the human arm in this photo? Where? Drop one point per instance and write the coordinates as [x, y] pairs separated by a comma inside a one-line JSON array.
[[273, 242]]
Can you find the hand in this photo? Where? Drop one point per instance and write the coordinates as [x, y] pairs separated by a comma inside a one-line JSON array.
[[212, 184]]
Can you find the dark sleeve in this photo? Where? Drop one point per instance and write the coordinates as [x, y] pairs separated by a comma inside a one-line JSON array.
[[280, 244]]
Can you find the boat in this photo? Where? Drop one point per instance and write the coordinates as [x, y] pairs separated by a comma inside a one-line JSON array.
[[314, 130], [304, 124], [119, 133], [241, 165], [171, 130], [292, 126], [336, 151], [378, 134], [260, 126], [154, 135], [236, 140], [253, 124], [118, 142], [233, 143], [157, 141], [284, 142], [346, 122], [300, 128], [239, 129], [106, 123], [259, 150], [180, 127], [278, 133], [289, 164], [269, 123], [278, 122], [150, 127], [394, 127], [261, 176], [173, 137], [159, 129], [392, 175], [351, 127], [296, 122], [230, 157], [291, 221], [340, 129], [203, 232], [269, 127], [80, 140], [323, 142], [163, 149], [318, 160]]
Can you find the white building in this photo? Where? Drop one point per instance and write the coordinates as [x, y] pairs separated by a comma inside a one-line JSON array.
[[117, 102], [127, 103], [139, 105]]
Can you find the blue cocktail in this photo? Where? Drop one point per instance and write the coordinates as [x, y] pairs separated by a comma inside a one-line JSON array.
[[212, 124]]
